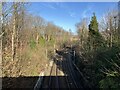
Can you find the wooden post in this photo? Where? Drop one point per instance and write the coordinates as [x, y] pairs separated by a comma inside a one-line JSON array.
[[54, 48], [74, 56]]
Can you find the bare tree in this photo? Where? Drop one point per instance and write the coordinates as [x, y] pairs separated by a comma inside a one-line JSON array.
[[119, 19], [109, 25], [39, 26], [6, 10], [82, 31]]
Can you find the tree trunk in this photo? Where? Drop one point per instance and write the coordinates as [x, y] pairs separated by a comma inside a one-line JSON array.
[[37, 38], [13, 41], [1, 58], [1, 48], [111, 33], [14, 31]]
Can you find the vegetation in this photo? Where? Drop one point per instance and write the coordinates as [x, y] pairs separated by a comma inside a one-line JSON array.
[[99, 55], [26, 40]]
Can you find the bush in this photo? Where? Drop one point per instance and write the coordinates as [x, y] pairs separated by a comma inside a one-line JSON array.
[[32, 44], [110, 82]]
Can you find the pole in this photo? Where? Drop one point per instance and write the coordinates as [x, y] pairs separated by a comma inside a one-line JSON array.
[[74, 56]]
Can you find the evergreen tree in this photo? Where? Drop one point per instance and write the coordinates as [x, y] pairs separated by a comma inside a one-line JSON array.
[[93, 27], [95, 38]]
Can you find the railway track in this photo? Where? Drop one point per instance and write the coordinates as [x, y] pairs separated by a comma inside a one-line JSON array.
[[51, 81], [57, 80], [63, 79], [70, 79]]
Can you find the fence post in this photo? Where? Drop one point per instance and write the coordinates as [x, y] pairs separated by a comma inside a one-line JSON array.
[[74, 56]]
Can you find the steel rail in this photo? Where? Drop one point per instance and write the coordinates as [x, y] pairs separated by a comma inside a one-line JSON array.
[[66, 77], [57, 82]]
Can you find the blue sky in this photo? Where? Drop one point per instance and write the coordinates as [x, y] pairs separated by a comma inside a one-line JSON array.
[[67, 14]]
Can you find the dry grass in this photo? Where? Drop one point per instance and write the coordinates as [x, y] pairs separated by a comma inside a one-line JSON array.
[[32, 61], [27, 67]]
